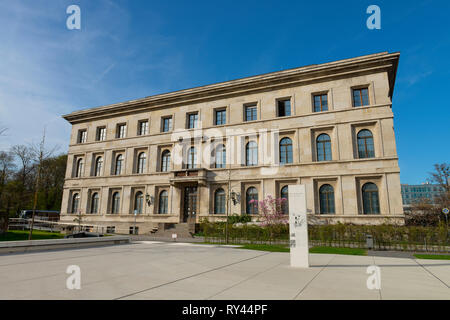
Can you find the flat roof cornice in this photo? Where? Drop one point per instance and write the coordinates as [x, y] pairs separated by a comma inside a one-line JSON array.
[[316, 72]]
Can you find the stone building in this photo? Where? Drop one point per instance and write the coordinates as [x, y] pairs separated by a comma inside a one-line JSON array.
[[208, 151]]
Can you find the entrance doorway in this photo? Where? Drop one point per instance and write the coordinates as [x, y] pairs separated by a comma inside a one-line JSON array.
[[190, 204]]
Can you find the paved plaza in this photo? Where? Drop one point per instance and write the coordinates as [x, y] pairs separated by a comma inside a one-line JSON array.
[[161, 270]]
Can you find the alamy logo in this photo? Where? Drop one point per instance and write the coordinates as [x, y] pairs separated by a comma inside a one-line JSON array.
[[374, 280], [74, 280], [74, 20], [374, 20]]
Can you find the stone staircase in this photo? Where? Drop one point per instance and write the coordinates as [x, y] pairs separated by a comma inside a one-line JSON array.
[[183, 230]]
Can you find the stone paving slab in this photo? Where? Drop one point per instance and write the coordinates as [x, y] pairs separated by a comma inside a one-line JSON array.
[[161, 270]]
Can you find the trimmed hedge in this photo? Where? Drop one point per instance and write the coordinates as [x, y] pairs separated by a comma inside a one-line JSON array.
[[386, 237]]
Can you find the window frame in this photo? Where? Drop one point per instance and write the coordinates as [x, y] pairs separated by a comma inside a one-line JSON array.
[[284, 100], [252, 106], [223, 116], [360, 89], [146, 127], [121, 130], [163, 124], [320, 95]]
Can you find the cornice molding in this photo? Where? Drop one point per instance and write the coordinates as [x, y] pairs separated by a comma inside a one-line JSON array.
[[320, 72]]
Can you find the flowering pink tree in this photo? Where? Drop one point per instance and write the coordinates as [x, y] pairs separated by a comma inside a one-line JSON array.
[[271, 210]]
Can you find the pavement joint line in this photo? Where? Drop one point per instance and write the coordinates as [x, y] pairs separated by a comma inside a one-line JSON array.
[[191, 276], [430, 272], [306, 285], [244, 280], [56, 259]]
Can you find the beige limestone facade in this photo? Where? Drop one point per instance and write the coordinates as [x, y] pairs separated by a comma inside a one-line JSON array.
[[206, 152]]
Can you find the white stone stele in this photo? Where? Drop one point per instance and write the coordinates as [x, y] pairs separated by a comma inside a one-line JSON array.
[[298, 226]]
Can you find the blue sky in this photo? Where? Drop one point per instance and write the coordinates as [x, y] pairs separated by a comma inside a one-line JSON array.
[[131, 49]]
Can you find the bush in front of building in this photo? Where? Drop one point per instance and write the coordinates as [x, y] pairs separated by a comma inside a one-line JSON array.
[[386, 237]]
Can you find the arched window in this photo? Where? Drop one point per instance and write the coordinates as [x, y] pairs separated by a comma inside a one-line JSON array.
[[165, 161], [219, 201], [163, 202], [285, 203], [115, 205], [94, 202], [98, 166], [251, 154], [371, 203], [365, 144], [192, 158], [79, 171], [139, 202], [119, 164], [75, 202], [326, 197], [323, 147], [252, 201], [285, 151], [220, 156], [142, 159]]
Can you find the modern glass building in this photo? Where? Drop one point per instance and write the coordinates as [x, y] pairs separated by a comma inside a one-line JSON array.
[[412, 193]]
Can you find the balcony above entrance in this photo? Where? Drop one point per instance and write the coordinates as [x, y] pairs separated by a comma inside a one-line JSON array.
[[195, 176]]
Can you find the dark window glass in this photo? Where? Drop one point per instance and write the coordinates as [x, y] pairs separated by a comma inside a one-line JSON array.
[[192, 120], [163, 202], [82, 136], [252, 206], [221, 117], [251, 154], [365, 144], [101, 134], [167, 124], [320, 102], [139, 202], [284, 108], [75, 203], [219, 201], [326, 197], [192, 158], [143, 128], [323, 147], [285, 203], [80, 167], [360, 97], [121, 131], [98, 166], [94, 203], [119, 164], [285, 151], [250, 113], [115, 206], [220, 156], [142, 160], [165, 161], [371, 204]]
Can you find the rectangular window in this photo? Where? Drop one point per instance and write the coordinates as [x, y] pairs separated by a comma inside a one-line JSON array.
[[121, 131], [110, 229], [82, 136], [360, 97], [284, 107], [166, 124], [250, 113], [320, 102], [143, 128], [192, 120], [101, 134], [220, 117]]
